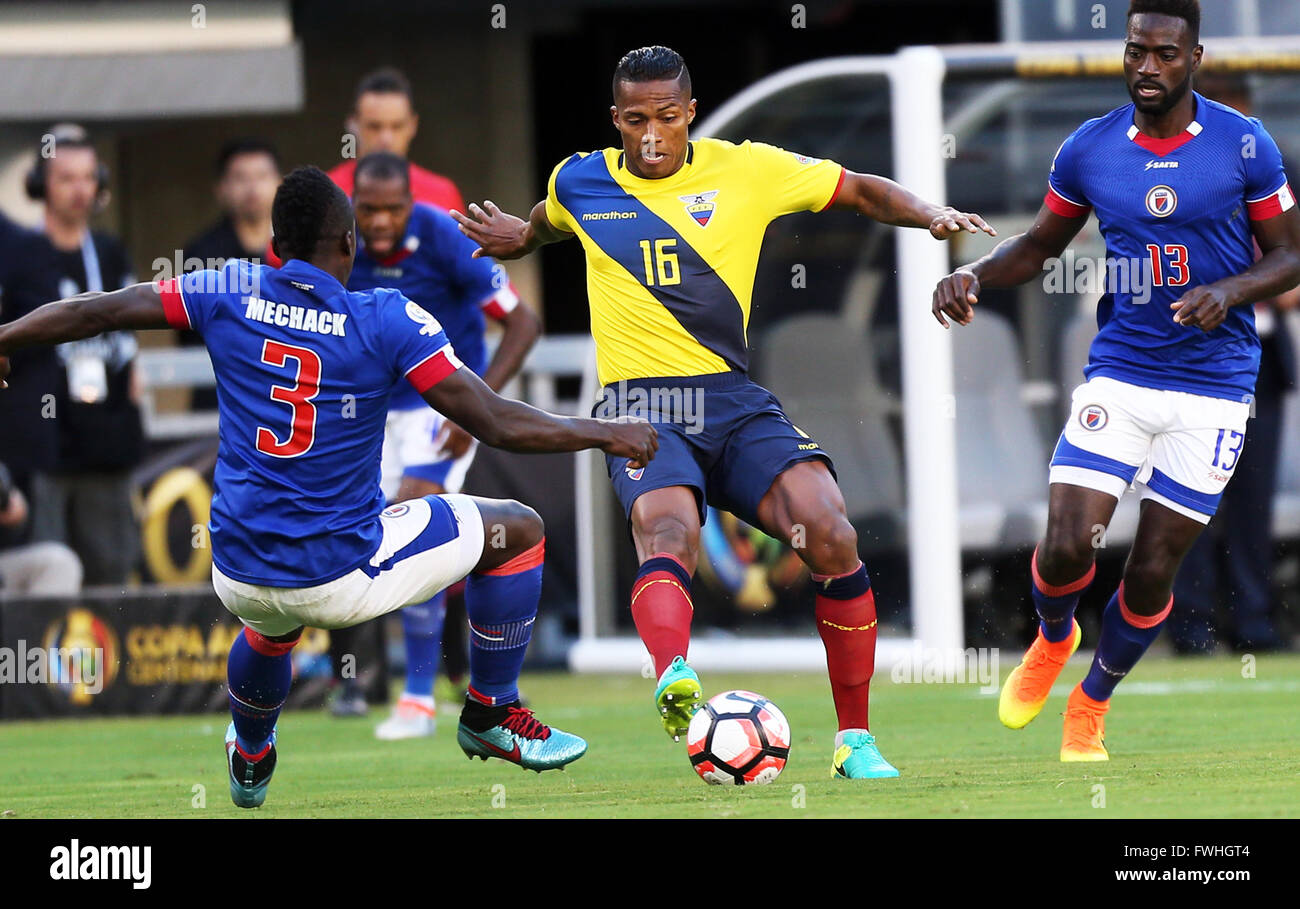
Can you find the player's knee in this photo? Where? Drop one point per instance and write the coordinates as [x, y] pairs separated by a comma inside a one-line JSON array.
[[672, 535], [527, 527], [832, 548]]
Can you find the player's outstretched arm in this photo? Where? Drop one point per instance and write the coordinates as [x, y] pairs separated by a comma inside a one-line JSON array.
[[1275, 272], [884, 200], [1012, 262], [83, 316], [515, 426], [502, 235]]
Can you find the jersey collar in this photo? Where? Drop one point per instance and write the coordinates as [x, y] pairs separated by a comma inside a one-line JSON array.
[[660, 181], [302, 272], [1162, 147]]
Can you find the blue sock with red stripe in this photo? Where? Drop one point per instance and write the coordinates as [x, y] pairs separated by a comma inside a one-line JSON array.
[[1125, 636], [422, 635], [259, 673], [502, 605], [1056, 605]]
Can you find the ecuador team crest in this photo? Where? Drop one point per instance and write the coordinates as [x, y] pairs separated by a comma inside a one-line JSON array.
[[700, 206]]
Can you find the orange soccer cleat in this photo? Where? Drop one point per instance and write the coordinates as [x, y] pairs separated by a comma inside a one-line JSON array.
[[1085, 728], [1026, 689]]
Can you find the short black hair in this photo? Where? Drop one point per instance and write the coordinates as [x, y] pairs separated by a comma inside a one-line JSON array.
[[387, 80], [652, 64], [308, 207], [245, 145], [382, 166], [1187, 10]]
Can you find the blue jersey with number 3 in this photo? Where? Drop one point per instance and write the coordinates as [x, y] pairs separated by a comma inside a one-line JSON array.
[[304, 372], [1176, 214]]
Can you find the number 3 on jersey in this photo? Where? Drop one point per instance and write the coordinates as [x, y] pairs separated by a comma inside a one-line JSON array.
[[306, 385]]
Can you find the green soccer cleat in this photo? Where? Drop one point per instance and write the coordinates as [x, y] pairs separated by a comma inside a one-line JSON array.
[[678, 697], [858, 758]]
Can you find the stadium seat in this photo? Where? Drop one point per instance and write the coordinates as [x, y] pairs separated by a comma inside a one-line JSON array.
[[1002, 465], [825, 376]]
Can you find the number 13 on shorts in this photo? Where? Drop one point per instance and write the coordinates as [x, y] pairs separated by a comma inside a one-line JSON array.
[[1228, 449]]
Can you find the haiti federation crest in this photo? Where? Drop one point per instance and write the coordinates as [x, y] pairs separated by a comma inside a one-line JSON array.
[[700, 206]]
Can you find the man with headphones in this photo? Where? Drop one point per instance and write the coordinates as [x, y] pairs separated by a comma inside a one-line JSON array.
[[85, 499]]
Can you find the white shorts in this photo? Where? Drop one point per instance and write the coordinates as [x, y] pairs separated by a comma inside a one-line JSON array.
[[410, 451], [1176, 448], [428, 545]]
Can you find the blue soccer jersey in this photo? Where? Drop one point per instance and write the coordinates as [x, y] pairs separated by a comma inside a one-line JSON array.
[[1175, 214], [434, 266], [304, 372]]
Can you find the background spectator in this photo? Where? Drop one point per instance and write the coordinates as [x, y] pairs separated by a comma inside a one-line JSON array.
[[85, 501], [36, 569]]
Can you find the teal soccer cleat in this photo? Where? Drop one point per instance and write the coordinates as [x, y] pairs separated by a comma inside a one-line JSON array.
[[522, 739], [248, 779], [678, 697], [858, 758]]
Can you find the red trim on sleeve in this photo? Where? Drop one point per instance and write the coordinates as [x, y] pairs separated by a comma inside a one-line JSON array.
[[174, 304], [1272, 206], [432, 370], [839, 184], [1063, 206]]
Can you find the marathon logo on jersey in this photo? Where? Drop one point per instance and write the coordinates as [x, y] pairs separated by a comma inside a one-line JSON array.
[[1093, 417], [634, 474], [299, 318], [1161, 201], [608, 215], [700, 206], [1153, 164]]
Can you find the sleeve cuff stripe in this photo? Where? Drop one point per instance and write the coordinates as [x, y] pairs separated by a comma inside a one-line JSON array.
[[1271, 205], [173, 302], [432, 369], [1063, 206], [836, 194]]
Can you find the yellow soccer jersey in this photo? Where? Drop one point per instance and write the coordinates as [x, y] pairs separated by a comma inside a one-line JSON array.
[[671, 262]]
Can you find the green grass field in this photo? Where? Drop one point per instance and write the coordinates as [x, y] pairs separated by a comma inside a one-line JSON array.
[[1187, 739]]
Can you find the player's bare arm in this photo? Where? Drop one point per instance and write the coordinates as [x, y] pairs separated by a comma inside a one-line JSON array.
[[1012, 262], [1274, 273], [515, 426], [884, 200], [502, 235], [521, 330], [83, 316]]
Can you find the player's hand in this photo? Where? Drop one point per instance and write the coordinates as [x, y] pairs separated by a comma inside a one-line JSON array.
[[1203, 307], [4, 371], [452, 441], [955, 296], [950, 222], [631, 438], [498, 234]]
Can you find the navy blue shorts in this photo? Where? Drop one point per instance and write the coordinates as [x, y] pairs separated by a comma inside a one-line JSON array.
[[722, 435]]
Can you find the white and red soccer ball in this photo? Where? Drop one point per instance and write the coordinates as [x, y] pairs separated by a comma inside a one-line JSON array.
[[738, 737]]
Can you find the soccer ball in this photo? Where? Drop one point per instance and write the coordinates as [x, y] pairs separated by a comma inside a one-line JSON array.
[[738, 737]]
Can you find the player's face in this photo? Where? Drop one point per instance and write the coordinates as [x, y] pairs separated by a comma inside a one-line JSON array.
[[382, 207], [1159, 59], [654, 120], [248, 187], [383, 121], [70, 184]]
